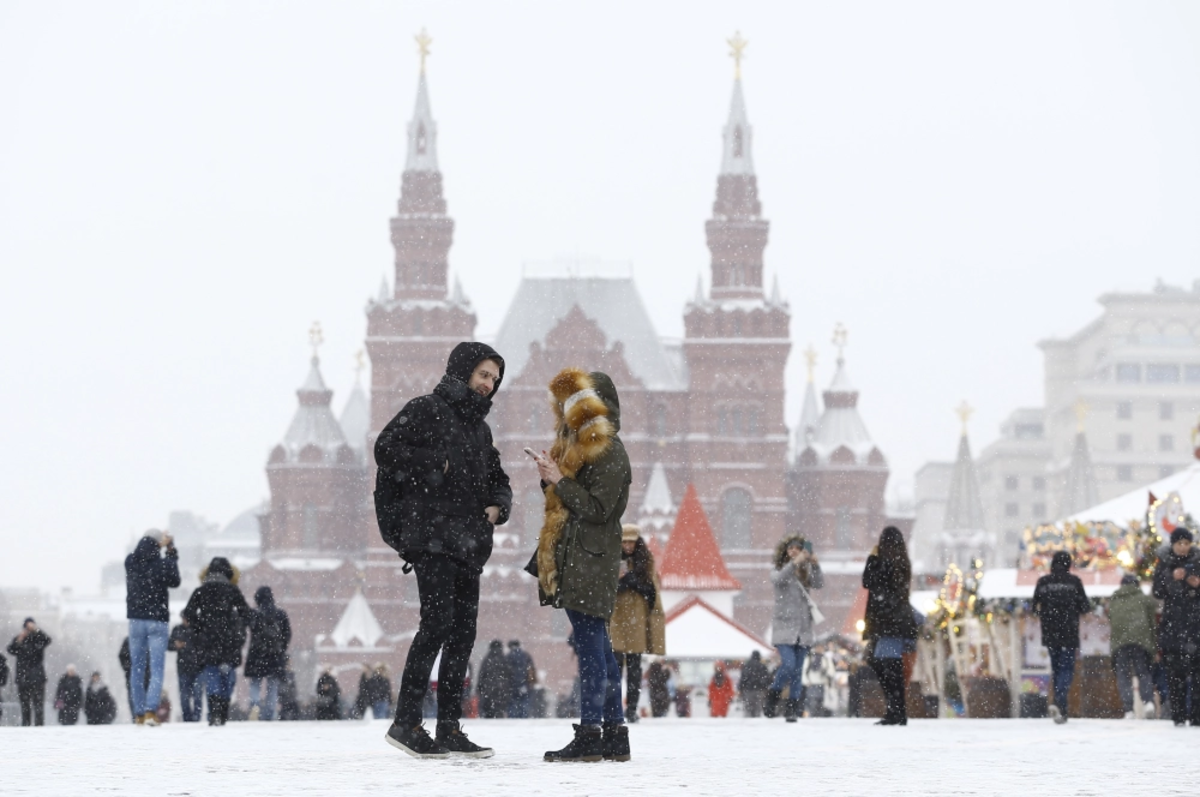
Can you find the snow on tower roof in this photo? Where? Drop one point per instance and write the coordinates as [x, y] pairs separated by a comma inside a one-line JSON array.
[[840, 425], [612, 302], [422, 134], [658, 495], [736, 155], [692, 560], [358, 623], [313, 424]]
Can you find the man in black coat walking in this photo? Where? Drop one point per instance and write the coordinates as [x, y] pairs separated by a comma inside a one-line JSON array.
[[1177, 585], [270, 635], [68, 697], [1058, 601], [439, 492], [27, 648]]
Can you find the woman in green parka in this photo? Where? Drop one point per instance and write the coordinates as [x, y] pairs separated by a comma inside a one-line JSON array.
[[586, 477]]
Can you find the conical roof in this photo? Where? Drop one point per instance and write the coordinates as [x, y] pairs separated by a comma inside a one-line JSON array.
[[736, 154], [964, 507], [841, 426], [356, 418], [358, 623], [692, 559], [657, 512], [313, 423], [1080, 491], [422, 134]]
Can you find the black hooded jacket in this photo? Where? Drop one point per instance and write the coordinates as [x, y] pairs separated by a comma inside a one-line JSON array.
[[1058, 601], [270, 635], [1179, 628], [218, 614], [148, 576], [439, 471]]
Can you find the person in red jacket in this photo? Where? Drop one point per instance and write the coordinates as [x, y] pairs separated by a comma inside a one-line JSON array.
[[720, 692]]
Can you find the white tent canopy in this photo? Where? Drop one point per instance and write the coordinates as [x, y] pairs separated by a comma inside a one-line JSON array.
[[1133, 504], [698, 631]]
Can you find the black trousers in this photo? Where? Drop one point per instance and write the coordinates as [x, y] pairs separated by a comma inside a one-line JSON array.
[[891, 677], [1181, 666], [631, 665], [449, 593], [33, 703]]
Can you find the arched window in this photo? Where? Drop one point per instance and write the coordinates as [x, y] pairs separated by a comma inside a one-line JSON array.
[[735, 518]]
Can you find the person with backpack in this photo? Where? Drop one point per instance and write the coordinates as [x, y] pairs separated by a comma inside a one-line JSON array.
[[1059, 601], [753, 684], [270, 635], [219, 614], [439, 493], [151, 570]]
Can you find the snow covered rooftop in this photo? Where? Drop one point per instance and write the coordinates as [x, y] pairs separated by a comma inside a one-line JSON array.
[[696, 630], [358, 624]]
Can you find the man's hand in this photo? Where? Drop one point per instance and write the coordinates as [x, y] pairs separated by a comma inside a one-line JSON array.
[[1179, 574], [493, 514], [548, 469]]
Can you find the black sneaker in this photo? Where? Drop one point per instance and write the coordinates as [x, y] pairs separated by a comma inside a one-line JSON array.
[[415, 741], [615, 742], [451, 737], [588, 745]]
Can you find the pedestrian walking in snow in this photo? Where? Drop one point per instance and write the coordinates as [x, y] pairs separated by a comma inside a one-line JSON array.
[[3, 681], [819, 676], [522, 679], [1059, 601], [151, 570], [270, 635], [793, 621], [218, 613], [439, 493], [578, 560], [495, 682], [329, 696], [379, 692], [720, 691], [289, 696], [637, 626], [1177, 585], [657, 679], [1131, 617], [28, 648], [753, 684], [891, 626], [188, 668], [68, 696], [98, 704]]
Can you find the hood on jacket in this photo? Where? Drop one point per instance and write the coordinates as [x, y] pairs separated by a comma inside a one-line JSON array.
[[467, 356], [1127, 589], [781, 556], [264, 598], [146, 550], [219, 568], [1061, 563], [607, 391]]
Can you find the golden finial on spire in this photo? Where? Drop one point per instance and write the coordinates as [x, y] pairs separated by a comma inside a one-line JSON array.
[[737, 46], [839, 338], [423, 40], [1081, 413], [810, 361], [965, 411], [315, 337]]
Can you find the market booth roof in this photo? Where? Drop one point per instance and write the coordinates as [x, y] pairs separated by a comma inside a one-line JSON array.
[[696, 630], [1133, 504]]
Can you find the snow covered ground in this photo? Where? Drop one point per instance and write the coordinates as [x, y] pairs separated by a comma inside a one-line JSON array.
[[671, 756]]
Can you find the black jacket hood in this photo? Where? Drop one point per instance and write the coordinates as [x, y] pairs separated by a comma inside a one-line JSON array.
[[608, 393], [1061, 562], [466, 356]]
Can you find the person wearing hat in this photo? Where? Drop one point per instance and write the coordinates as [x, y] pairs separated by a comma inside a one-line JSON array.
[[1177, 585], [1131, 615], [637, 626], [522, 678], [151, 570], [439, 494], [1059, 601], [218, 614], [28, 648]]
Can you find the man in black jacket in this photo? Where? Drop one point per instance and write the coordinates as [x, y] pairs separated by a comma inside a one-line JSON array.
[[68, 697], [1177, 585], [439, 492], [1058, 601], [28, 648], [148, 576], [188, 667]]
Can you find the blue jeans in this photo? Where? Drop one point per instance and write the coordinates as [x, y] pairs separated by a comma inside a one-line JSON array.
[[266, 712], [146, 638], [379, 709], [791, 669], [219, 682], [191, 695], [1062, 664], [518, 708], [599, 675]]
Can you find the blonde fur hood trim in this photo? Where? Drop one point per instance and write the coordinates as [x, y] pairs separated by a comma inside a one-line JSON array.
[[583, 434]]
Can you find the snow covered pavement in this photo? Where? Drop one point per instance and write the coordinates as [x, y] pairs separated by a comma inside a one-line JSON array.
[[671, 756]]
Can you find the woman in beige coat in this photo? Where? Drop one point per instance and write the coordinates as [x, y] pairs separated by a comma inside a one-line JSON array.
[[637, 622]]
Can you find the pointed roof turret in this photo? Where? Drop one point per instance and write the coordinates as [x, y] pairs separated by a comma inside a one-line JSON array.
[[810, 413], [313, 427], [736, 155], [692, 559], [422, 130], [964, 526], [357, 623], [356, 413], [1080, 491], [657, 511], [841, 437]]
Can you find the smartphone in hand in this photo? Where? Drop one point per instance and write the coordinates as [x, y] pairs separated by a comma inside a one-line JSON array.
[[532, 453]]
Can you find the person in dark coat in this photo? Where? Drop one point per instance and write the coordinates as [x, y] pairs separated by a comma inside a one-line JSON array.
[[289, 697], [218, 614], [753, 684], [28, 648], [329, 696], [890, 627], [126, 660], [3, 681], [657, 679], [1132, 617], [188, 668], [522, 677], [270, 636], [98, 704], [1058, 601], [148, 575], [68, 697], [439, 493], [379, 694], [1177, 585], [587, 476], [494, 682]]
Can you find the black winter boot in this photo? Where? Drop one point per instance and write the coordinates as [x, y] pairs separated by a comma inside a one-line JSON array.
[[615, 743], [588, 745], [415, 741], [215, 715], [791, 709], [450, 736], [770, 703]]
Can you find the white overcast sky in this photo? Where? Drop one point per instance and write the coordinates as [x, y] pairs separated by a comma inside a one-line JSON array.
[[186, 186]]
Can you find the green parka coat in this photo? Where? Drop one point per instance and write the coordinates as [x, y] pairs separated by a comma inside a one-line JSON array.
[[1132, 620]]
